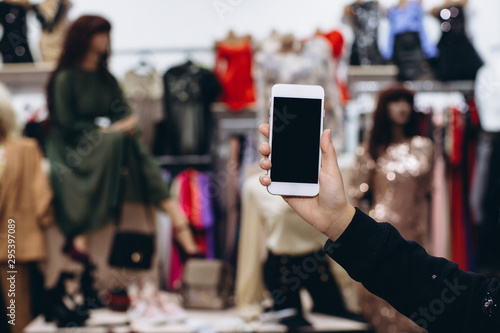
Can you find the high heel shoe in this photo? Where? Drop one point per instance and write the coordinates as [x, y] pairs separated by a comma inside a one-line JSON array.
[[92, 299], [56, 308], [71, 251]]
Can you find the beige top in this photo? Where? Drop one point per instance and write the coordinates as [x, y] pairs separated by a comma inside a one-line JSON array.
[[267, 220], [51, 43]]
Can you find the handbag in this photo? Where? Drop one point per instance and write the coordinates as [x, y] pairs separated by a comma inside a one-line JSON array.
[[133, 249], [206, 284]]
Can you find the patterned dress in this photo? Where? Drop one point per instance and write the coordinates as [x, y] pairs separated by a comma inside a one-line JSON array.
[[399, 185]]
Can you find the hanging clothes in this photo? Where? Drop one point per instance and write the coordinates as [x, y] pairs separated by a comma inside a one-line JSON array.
[[53, 16], [233, 68], [440, 225], [336, 40], [192, 189], [144, 93], [14, 43], [408, 45], [408, 18], [461, 246], [489, 224], [312, 64], [187, 128], [365, 21], [458, 60]]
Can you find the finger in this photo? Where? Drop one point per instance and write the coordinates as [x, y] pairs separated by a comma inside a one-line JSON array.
[[265, 149], [264, 129], [265, 163], [328, 156], [265, 180]]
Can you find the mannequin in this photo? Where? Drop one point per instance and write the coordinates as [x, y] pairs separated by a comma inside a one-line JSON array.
[[447, 4], [290, 45], [270, 44], [233, 67], [391, 180], [458, 60], [14, 45], [76, 73], [53, 15], [269, 227], [361, 15], [233, 39], [408, 45]]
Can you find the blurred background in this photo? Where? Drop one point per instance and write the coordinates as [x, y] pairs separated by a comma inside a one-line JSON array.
[[193, 80]]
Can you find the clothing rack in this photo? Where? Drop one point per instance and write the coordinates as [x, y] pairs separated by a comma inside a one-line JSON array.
[[163, 50], [176, 160]]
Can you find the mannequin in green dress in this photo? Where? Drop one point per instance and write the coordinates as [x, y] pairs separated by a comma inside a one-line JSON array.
[[86, 158]]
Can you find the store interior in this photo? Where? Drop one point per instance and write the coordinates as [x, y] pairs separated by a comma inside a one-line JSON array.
[[196, 76]]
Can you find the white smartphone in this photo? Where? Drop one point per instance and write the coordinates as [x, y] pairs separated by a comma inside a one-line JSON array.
[[296, 124]]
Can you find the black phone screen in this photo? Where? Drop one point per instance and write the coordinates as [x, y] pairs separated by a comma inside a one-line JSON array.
[[295, 140]]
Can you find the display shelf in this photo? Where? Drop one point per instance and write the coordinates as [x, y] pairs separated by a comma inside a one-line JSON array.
[[375, 78], [26, 77], [196, 321], [231, 121], [165, 160]]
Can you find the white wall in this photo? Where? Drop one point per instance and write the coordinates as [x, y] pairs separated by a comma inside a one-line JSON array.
[[144, 24]]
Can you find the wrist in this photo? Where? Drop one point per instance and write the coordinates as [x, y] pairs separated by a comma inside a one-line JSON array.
[[340, 222]]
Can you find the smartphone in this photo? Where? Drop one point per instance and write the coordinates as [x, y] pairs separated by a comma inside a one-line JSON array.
[[296, 124]]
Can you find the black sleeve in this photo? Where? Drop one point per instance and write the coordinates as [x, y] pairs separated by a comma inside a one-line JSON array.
[[433, 292]]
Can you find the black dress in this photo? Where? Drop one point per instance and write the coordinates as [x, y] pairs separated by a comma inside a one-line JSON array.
[[14, 43], [189, 91], [365, 21], [458, 60]]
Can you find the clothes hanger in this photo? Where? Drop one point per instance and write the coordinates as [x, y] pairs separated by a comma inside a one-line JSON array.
[[144, 67]]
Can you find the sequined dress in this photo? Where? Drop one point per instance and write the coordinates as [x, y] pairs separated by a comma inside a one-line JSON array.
[[365, 22], [399, 184]]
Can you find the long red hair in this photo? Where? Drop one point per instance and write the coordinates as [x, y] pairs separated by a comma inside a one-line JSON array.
[[76, 45]]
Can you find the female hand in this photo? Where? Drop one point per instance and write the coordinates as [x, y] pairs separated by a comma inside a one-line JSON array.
[[329, 212], [126, 125]]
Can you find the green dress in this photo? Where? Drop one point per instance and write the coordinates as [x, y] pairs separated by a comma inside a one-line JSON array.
[[87, 165]]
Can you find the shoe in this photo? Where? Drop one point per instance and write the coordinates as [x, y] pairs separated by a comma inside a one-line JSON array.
[[56, 305], [54, 296], [70, 250], [92, 299]]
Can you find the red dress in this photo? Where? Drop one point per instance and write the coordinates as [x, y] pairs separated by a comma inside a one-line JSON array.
[[336, 40], [233, 68]]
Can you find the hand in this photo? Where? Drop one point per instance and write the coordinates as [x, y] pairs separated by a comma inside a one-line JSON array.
[[126, 125], [329, 212]]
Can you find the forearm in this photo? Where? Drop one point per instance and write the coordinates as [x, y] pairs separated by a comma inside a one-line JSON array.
[[433, 292]]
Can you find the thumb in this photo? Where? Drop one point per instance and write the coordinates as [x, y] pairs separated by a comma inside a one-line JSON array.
[[328, 156]]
